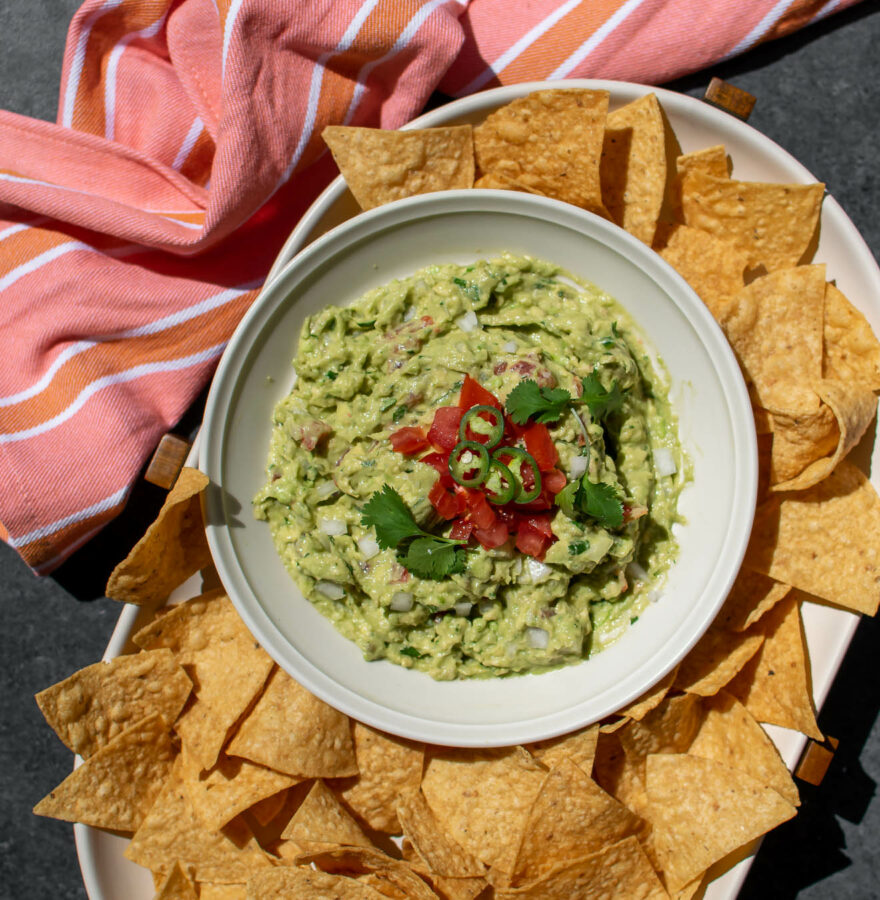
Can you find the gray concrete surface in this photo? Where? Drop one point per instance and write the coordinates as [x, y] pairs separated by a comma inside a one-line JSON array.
[[819, 97]]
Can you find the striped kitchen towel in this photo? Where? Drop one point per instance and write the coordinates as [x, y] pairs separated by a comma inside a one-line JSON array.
[[135, 231]]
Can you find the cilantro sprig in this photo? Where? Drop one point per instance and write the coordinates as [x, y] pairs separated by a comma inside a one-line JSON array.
[[542, 404], [598, 500], [424, 554]]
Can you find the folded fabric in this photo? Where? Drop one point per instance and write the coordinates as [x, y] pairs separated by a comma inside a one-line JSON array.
[[135, 232]]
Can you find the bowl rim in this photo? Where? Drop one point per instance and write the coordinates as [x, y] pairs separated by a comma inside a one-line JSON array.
[[224, 388]]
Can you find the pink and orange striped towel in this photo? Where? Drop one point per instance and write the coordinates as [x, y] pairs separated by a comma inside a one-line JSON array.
[[135, 231]]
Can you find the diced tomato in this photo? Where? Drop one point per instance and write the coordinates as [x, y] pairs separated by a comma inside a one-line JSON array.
[[531, 541], [508, 515], [494, 536], [482, 514], [544, 500], [539, 522], [462, 529], [409, 440], [444, 502], [443, 433], [554, 480], [474, 394], [540, 444]]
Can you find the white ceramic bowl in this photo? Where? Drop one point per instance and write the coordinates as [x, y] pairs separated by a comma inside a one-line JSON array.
[[715, 424]]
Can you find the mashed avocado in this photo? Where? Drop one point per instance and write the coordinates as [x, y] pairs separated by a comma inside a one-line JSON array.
[[388, 362]]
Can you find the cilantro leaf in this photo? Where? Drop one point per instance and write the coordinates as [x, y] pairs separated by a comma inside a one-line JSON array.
[[601, 402], [567, 498], [429, 557], [393, 522], [529, 401], [602, 503]]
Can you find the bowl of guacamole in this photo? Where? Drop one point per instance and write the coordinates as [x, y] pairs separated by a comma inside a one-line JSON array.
[[482, 468]]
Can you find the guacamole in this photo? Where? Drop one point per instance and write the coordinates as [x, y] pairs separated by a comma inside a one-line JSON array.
[[568, 564]]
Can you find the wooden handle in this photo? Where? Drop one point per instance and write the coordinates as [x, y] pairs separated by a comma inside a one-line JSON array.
[[816, 759], [734, 100], [167, 461]]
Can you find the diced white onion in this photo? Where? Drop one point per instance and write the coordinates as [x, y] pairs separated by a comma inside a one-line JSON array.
[[636, 573], [654, 596], [468, 322], [330, 589], [409, 314], [509, 347], [537, 570], [368, 547], [664, 461], [333, 527], [486, 606], [326, 489], [401, 601], [578, 466], [463, 608], [537, 638]]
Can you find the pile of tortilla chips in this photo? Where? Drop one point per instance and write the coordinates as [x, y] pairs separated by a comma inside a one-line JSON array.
[[235, 783]]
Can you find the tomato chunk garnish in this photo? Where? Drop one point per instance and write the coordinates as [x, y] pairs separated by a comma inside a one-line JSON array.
[[443, 433], [409, 440], [474, 394], [531, 540], [555, 480], [493, 536], [482, 514], [540, 444], [443, 501]]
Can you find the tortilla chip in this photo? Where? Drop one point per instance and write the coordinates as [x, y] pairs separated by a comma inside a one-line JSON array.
[[731, 735], [322, 820], [620, 870], [851, 352], [578, 746], [497, 182], [633, 166], [825, 540], [231, 787], [702, 810], [294, 732], [457, 888], [775, 328], [433, 846], [388, 767], [307, 884], [177, 885], [265, 810], [774, 224], [172, 832], [98, 702], [381, 166], [712, 161], [776, 688], [116, 786], [550, 141], [209, 891], [482, 798], [852, 408], [620, 774], [571, 816], [668, 729], [173, 548], [227, 666], [391, 877], [712, 266], [715, 660], [652, 698], [752, 595]]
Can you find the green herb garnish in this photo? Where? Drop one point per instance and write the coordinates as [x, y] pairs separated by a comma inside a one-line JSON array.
[[399, 413], [529, 401], [601, 402], [468, 288], [411, 651], [599, 501], [424, 554]]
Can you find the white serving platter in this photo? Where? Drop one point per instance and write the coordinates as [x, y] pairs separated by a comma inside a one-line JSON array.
[[109, 876]]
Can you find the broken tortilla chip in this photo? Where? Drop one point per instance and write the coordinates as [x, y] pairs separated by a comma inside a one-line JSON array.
[[824, 540], [633, 166], [177, 886], [774, 224], [776, 688], [752, 595], [715, 660], [381, 166], [851, 349], [116, 786], [550, 141], [98, 702], [173, 548]]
